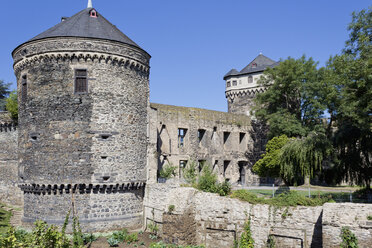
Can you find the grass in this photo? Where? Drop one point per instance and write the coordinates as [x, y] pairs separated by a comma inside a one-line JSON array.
[[4, 219], [292, 198], [336, 196]]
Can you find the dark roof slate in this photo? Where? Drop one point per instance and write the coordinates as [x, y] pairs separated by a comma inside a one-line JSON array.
[[83, 25], [260, 63]]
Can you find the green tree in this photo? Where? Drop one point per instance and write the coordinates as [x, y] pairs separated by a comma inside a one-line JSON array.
[[291, 105], [4, 92], [303, 157], [351, 73], [269, 164], [12, 105]]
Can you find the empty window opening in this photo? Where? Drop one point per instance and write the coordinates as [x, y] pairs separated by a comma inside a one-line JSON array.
[[225, 166], [241, 137], [226, 136], [201, 164], [181, 137], [81, 81], [182, 166], [33, 137], [105, 136], [228, 84], [105, 178], [104, 157], [214, 129], [201, 133], [234, 83], [24, 88], [250, 79], [215, 165]]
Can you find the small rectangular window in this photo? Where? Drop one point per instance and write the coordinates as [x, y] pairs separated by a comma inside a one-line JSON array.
[[24, 88], [201, 164], [81, 81], [181, 137], [250, 79], [183, 164], [225, 166], [228, 84], [226, 136], [235, 83], [201, 133], [241, 137]]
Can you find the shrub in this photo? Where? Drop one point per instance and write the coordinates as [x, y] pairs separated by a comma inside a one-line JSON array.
[[190, 173], [208, 183], [246, 240], [132, 238], [89, 238], [349, 240], [113, 242], [171, 208], [369, 217], [270, 242], [168, 171]]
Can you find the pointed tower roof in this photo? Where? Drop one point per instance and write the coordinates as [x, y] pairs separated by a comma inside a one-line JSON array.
[[260, 63], [88, 23]]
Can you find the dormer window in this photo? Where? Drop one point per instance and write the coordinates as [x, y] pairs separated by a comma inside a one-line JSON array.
[[254, 65], [93, 13]]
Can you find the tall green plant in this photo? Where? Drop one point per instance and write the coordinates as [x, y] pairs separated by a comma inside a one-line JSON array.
[[246, 239], [190, 172], [349, 240], [12, 105]]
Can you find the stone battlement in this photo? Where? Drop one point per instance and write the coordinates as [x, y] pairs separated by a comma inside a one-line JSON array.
[[8, 127]]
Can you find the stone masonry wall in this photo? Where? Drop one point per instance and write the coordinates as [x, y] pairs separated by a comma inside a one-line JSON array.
[[223, 140], [218, 221], [95, 141], [9, 191]]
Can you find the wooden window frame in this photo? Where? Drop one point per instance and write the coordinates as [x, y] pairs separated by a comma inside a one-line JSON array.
[[79, 91]]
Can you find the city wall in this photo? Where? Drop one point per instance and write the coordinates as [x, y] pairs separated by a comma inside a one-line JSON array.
[[205, 218], [9, 191]]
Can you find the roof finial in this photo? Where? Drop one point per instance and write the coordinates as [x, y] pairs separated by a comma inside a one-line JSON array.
[[90, 5]]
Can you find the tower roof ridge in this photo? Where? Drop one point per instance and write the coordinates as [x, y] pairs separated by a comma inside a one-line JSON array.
[[87, 23]]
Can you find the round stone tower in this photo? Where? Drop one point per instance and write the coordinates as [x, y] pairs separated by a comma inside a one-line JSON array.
[[83, 90]]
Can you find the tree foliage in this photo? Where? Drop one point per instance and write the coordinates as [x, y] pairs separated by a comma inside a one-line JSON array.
[[298, 97], [290, 105], [302, 157], [269, 164], [4, 92], [351, 76], [12, 105]]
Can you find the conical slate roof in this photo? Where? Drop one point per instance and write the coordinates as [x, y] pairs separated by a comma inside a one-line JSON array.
[[260, 63], [84, 25]]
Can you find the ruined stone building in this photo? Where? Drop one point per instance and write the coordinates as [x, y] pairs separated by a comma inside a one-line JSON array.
[[87, 131]]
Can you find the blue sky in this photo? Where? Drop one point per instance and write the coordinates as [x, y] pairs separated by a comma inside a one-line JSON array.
[[194, 43]]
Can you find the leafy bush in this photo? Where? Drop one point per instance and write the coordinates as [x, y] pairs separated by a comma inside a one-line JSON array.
[[113, 242], [207, 182], [369, 217], [89, 238], [190, 172], [132, 238], [246, 240], [168, 171], [349, 240]]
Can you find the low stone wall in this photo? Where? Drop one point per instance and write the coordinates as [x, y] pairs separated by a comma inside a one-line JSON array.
[[204, 218], [9, 190]]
